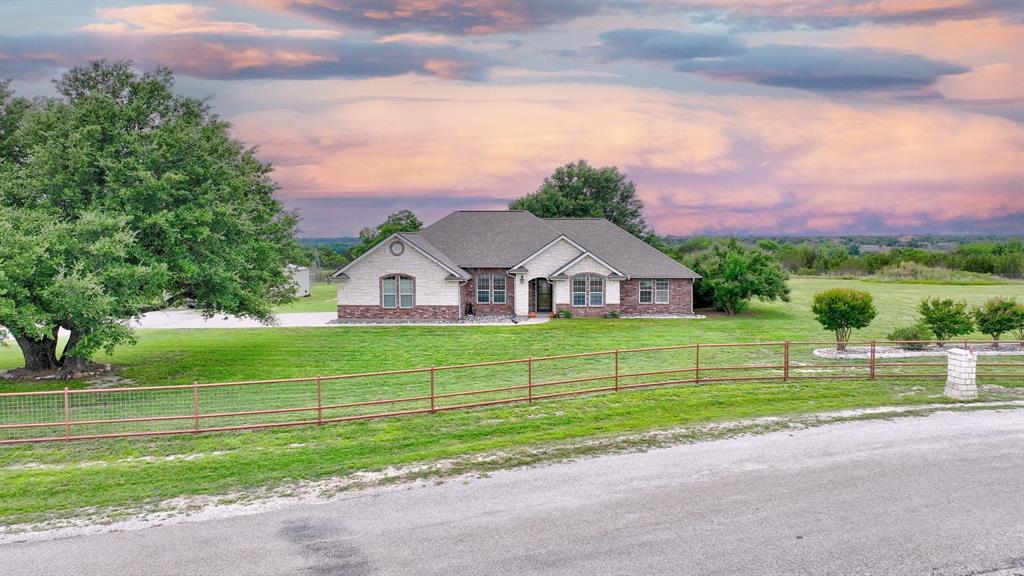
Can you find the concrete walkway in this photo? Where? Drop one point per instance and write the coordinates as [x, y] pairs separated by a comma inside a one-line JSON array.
[[941, 495]]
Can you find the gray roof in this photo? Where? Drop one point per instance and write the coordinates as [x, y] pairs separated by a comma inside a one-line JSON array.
[[620, 249], [489, 238], [417, 239], [504, 238]]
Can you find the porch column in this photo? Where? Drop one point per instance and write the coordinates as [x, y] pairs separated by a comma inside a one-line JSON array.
[[521, 294]]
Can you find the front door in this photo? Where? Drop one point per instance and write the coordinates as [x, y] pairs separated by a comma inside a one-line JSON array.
[[543, 300]]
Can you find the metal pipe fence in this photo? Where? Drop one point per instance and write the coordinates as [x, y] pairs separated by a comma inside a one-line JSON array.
[[63, 415]]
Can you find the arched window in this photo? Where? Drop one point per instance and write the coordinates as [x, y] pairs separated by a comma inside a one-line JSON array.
[[587, 290], [397, 291]]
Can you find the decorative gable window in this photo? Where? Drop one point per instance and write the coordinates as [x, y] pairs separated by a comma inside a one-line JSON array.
[[646, 289], [661, 291], [397, 291], [587, 290]]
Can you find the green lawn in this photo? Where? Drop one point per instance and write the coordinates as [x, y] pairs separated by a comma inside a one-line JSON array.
[[42, 481], [322, 298]]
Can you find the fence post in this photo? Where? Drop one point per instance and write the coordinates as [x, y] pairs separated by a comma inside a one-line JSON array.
[[433, 396], [195, 404], [697, 364], [616, 369], [871, 370], [785, 361], [67, 414], [529, 379], [319, 402]]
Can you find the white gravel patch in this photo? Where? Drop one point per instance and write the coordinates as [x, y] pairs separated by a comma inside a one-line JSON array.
[[864, 352]]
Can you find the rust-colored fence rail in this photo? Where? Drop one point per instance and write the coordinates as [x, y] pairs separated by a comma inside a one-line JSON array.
[[316, 400]]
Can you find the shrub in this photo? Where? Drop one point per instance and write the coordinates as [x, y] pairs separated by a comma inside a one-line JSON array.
[[1018, 328], [997, 316], [916, 331], [612, 314], [947, 318], [565, 313], [842, 310]]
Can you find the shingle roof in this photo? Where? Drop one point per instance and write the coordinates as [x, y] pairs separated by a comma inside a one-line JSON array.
[[627, 253], [504, 238], [417, 239], [489, 239]]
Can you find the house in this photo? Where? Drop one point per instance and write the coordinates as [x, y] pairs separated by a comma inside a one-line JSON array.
[[512, 263], [300, 276]]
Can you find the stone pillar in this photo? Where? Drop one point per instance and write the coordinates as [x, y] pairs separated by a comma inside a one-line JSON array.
[[960, 375]]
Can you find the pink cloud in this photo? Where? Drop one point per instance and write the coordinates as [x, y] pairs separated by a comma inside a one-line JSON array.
[[185, 19]]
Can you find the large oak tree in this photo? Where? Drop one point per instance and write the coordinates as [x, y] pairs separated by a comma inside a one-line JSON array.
[[120, 196]]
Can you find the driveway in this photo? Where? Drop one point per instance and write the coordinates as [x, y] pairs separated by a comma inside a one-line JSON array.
[[936, 495]]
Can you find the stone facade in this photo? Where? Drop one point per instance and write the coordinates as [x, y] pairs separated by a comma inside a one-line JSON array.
[[356, 312], [961, 372], [589, 311], [469, 294], [680, 298], [362, 287]]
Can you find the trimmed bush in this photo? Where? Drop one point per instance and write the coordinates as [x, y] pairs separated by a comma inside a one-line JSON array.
[[997, 316], [946, 318], [565, 313], [917, 331], [612, 314], [842, 310]]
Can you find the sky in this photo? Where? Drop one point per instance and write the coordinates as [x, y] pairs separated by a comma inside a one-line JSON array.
[[740, 117]]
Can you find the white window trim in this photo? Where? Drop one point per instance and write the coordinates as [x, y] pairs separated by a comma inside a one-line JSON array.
[[587, 291], [398, 291], [668, 291], [640, 291], [490, 287], [503, 291]]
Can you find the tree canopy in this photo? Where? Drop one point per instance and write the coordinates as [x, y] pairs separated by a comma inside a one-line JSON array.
[[733, 275], [578, 190], [120, 196], [401, 221], [842, 310]]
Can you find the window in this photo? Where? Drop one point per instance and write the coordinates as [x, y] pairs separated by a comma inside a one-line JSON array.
[[389, 293], [491, 288], [661, 291], [483, 288], [579, 291], [646, 291], [397, 291], [405, 292], [498, 288], [587, 290]]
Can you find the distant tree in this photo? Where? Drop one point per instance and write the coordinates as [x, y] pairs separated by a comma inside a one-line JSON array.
[[946, 318], [997, 316], [843, 310], [121, 196], [578, 190], [401, 221], [733, 275]]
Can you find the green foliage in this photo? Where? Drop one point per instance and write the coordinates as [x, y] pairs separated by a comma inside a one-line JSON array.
[[946, 318], [578, 190], [401, 221], [565, 314], [130, 197], [998, 316], [843, 310], [612, 314], [733, 275], [909, 334]]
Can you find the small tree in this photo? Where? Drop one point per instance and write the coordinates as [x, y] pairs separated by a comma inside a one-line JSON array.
[[401, 221], [946, 317], [996, 316], [842, 310], [1018, 324], [733, 275]]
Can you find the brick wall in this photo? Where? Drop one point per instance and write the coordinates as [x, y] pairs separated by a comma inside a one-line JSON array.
[[680, 298], [356, 312], [589, 311], [469, 294]]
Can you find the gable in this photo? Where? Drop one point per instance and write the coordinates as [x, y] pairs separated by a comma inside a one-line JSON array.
[[549, 259]]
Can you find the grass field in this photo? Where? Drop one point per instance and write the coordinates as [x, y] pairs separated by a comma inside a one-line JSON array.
[[44, 481], [322, 298]]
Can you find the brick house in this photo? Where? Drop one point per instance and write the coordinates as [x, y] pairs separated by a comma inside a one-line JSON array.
[[512, 263]]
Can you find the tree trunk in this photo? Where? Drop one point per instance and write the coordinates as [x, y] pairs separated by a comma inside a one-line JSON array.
[[71, 363], [39, 354], [995, 340]]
